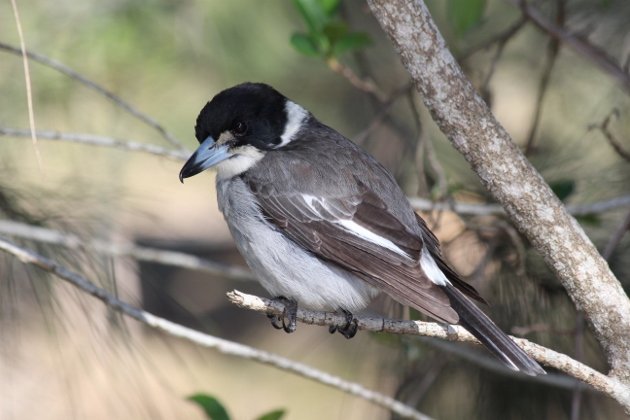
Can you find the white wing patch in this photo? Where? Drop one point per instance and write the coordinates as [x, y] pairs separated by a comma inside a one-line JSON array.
[[354, 228], [295, 116], [431, 269], [368, 235]]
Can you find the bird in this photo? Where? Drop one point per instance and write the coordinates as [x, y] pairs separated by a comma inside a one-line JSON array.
[[322, 224]]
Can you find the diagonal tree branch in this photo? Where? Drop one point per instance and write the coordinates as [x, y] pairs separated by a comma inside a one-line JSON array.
[[117, 100], [594, 54], [529, 202], [205, 340], [140, 253], [604, 127], [102, 141], [548, 357]]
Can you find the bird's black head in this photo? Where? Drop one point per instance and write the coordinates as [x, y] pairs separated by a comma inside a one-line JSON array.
[[239, 125]]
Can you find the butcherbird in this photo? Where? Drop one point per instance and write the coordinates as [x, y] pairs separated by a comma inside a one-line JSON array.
[[322, 224]]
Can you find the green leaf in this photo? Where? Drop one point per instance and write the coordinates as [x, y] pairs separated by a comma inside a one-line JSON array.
[[349, 42], [463, 15], [335, 31], [563, 188], [313, 14], [304, 44], [330, 7], [211, 406], [272, 415]]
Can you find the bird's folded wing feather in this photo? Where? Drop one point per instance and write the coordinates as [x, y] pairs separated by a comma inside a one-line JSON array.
[[360, 235]]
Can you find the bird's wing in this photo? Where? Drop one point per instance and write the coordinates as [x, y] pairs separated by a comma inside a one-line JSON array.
[[359, 234]]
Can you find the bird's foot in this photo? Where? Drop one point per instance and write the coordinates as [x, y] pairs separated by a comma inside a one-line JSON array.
[[288, 320], [349, 329]]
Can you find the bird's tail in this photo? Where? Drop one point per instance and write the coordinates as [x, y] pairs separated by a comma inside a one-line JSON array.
[[486, 331]]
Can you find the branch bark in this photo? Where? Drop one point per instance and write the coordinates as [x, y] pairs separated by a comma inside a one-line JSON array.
[[205, 340], [529, 202], [548, 357]]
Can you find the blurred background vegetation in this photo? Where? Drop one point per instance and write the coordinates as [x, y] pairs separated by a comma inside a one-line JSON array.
[[62, 355]]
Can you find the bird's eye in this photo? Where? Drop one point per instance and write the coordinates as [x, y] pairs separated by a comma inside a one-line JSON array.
[[240, 128]]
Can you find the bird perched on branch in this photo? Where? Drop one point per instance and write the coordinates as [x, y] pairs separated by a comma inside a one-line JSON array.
[[322, 224]]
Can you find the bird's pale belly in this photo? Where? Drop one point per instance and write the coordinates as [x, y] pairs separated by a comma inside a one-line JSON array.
[[282, 267]]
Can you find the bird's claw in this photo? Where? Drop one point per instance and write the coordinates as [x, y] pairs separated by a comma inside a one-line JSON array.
[[349, 329], [288, 320]]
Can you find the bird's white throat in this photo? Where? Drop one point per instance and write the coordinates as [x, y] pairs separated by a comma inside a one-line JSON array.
[[245, 158]]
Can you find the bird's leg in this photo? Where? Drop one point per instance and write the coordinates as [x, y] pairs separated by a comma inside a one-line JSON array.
[[288, 320], [349, 329]]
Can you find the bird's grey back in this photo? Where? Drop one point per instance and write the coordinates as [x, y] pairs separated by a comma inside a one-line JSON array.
[[323, 163]]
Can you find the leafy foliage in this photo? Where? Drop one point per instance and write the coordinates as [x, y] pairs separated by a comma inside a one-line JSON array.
[[211, 406], [328, 36], [216, 411], [272, 415]]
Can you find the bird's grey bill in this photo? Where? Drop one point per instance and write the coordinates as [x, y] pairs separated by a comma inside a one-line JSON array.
[[208, 154]]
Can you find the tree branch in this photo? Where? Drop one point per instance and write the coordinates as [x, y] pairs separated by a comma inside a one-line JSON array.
[[548, 357], [364, 85], [140, 253], [205, 340], [482, 209], [604, 127], [550, 60], [529, 202], [581, 46], [117, 100], [102, 141], [422, 204]]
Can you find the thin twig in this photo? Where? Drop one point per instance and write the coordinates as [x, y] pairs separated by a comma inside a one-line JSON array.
[[206, 340], [27, 80], [423, 204], [594, 54], [140, 253], [614, 143], [546, 356], [576, 397], [420, 152], [102, 141], [519, 246], [364, 85], [502, 37], [427, 149], [436, 166], [381, 114], [550, 60], [117, 100], [616, 237]]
